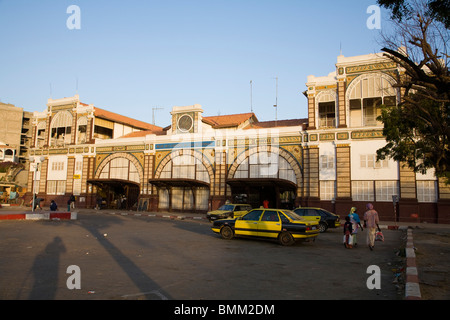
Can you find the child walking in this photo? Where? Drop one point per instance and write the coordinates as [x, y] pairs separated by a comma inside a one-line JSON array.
[[348, 230]]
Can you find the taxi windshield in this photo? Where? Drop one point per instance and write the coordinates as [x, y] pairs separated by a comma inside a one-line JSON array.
[[226, 207], [292, 215]]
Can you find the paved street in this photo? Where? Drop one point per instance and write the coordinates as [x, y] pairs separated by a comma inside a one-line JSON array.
[[130, 257]]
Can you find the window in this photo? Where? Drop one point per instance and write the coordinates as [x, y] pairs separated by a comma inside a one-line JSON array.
[[327, 190], [253, 215], [57, 187], [385, 190], [120, 168], [187, 167], [82, 129], [61, 129], [362, 191], [326, 162], [366, 95], [370, 161], [426, 191], [327, 115], [326, 109], [270, 215], [57, 166], [266, 165]]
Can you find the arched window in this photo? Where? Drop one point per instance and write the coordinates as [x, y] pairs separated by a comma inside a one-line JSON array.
[[265, 165], [120, 168], [61, 129], [326, 109], [81, 130], [187, 167], [196, 196], [365, 96]]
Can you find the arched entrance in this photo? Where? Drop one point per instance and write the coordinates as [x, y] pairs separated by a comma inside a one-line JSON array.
[[118, 180], [265, 174], [183, 180]]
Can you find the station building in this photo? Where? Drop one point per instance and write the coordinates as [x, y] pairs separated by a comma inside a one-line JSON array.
[[198, 162]]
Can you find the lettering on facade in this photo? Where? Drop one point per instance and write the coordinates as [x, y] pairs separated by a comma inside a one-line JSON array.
[[326, 136], [371, 67], [367, 134]]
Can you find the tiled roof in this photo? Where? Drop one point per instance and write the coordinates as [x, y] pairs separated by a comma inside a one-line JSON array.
[[231, 120], [143, 133], [279, 123], [108, 115]]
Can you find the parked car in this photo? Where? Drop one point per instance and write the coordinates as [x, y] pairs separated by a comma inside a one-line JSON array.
[[282, 225], [327, 219], [229, 211]]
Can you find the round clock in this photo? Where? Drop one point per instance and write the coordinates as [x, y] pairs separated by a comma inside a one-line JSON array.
[[185, 123]]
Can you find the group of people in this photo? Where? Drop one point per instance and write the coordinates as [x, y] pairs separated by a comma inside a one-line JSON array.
[[70, 204], [352, 226]]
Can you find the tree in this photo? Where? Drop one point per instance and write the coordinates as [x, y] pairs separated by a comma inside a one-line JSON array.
[[417, 130], [438, 9]]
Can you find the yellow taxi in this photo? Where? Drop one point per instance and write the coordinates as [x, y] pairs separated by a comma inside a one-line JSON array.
[[229, 211], [278, 224]]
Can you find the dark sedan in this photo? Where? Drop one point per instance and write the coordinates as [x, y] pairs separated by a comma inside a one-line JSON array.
[[327, 220]]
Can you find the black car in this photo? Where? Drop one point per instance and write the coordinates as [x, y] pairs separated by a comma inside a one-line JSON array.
[[327, 220]]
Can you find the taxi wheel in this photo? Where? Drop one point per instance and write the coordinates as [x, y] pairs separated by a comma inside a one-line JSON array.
[[227, 233], [323, 227], [286, 239]]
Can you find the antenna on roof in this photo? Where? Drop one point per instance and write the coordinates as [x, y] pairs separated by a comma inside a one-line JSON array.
[[276, 102], [153, 113], [251, 96]]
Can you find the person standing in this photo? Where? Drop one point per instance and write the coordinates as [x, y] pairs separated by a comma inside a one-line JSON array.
[[371, 221]]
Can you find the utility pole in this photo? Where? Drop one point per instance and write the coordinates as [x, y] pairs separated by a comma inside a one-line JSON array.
[[251, 96]]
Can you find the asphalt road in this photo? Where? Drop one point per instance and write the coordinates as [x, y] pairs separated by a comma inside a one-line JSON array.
[[152, 258]]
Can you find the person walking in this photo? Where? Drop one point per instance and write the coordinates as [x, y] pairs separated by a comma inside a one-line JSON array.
[[348, 230], [371, 221], [356, 224]]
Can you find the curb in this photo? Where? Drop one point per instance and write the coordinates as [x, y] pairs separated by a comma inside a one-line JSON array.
[[40, 216], [412, 288], [167, 216]]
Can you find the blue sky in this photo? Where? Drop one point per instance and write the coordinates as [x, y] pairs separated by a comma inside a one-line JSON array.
[[131, 56]]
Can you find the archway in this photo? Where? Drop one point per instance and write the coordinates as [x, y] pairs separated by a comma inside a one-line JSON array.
[[118, 179], [265, 174], [183, 181]]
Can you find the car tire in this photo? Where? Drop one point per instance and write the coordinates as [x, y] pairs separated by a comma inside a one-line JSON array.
[[286, 239], [227, 233], [322, 227]]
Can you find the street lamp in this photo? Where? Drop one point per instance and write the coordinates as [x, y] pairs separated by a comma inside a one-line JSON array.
[[36, 169]]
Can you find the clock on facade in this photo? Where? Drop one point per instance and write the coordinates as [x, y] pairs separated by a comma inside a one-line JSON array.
[[185, 123]]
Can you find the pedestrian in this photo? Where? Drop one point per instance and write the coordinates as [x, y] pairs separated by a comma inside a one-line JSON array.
[[371, 221], [356, 224], [72, 201], [266, 204], [53, 205], [348, 230], [99, 203]]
